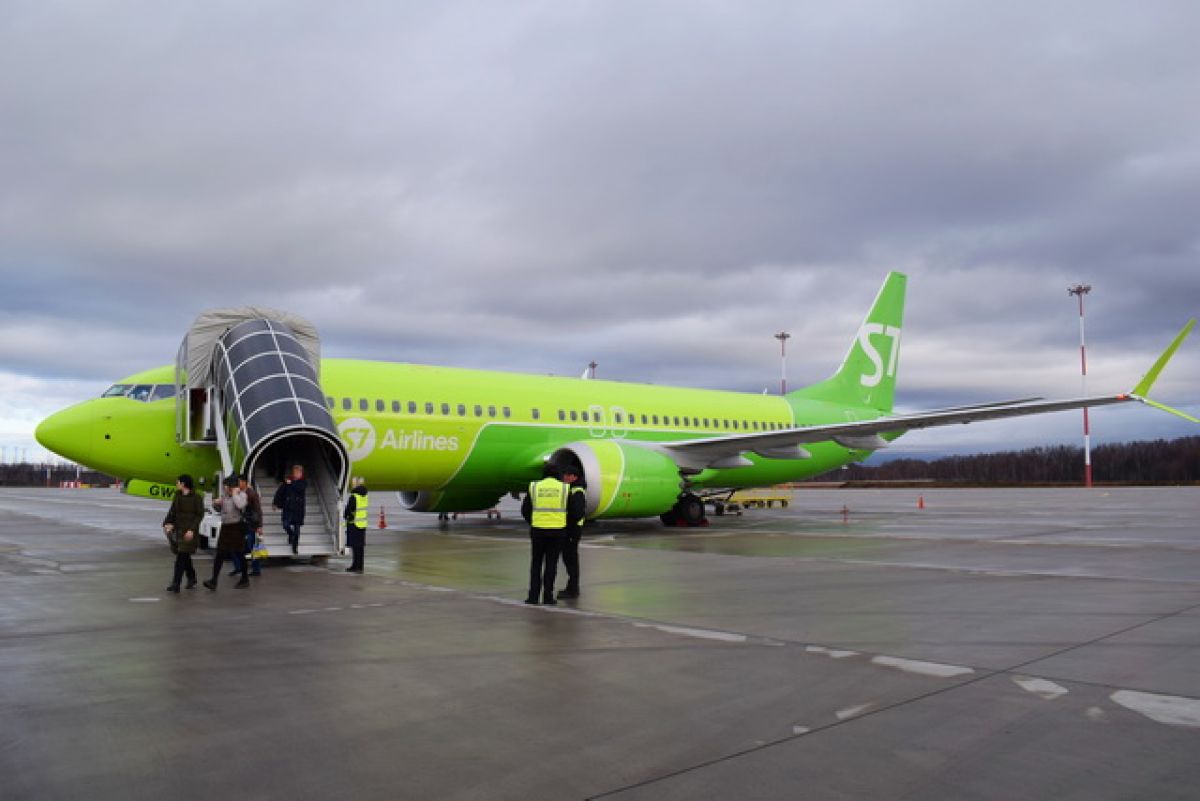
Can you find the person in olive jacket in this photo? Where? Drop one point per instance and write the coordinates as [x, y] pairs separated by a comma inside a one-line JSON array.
[[182, 527]]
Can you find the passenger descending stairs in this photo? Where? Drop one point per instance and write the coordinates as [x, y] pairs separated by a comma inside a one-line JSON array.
[[317, 532]]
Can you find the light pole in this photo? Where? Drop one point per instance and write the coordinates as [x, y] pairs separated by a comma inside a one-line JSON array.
[[1079, 290], [783, 337]]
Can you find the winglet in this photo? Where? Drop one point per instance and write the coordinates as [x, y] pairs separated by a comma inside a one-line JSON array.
[[1151, 375], [1143, 387]]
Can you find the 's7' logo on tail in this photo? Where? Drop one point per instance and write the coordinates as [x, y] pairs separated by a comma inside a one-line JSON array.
[[864, 340]]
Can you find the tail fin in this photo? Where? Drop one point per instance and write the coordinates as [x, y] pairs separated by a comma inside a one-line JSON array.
[[867, 376]]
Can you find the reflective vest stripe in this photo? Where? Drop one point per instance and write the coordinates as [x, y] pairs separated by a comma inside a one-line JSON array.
[[573, 491], [548, 503], [360, 510]]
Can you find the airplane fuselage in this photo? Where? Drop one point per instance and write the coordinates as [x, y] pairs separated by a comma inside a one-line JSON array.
[[413, 427]]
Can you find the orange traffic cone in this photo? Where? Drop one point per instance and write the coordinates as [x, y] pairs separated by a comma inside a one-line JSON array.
[[382, 518], [920, 501]]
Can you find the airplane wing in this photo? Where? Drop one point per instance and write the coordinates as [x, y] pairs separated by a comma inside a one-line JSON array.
[[730, 451]]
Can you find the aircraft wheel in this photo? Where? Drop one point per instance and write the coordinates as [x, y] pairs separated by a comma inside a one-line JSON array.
[[718, 509], [690, 510]]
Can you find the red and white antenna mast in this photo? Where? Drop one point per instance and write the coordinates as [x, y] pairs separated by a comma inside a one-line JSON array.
[[1079, 290]]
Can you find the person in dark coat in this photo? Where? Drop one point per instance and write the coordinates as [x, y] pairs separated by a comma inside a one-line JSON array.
[[182, 527], [356, 525], [232, 539], [289, 499], [253, 519], [574, 533]]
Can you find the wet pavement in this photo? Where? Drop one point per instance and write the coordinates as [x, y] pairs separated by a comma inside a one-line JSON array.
[[997, 644]]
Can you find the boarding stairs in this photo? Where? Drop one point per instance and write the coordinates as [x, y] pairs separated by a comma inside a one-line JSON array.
[[249, 381], [320, 516]]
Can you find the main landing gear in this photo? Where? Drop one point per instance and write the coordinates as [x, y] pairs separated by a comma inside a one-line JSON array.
[[687, 512]]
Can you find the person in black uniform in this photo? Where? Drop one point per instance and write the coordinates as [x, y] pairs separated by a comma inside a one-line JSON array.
[[570, 548], [552, 510], [356, 524]]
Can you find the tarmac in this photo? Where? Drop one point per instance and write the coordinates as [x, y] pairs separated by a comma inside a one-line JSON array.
[[997, 644]]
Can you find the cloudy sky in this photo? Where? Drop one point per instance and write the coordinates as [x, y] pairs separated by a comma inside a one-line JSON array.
[[656, 186]]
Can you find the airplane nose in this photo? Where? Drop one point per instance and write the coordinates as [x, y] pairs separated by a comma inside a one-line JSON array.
[[67, 433]]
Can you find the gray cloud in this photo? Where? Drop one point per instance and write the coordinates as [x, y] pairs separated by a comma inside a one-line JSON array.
[[529, 186]]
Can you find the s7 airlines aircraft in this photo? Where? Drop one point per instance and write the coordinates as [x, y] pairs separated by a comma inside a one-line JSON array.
[[457, 440]]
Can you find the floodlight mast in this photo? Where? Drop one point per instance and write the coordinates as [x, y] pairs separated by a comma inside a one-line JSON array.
[[783, 337], [1079, 290]]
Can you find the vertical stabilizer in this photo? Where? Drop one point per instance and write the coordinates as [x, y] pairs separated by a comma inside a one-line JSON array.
[[867, 376]]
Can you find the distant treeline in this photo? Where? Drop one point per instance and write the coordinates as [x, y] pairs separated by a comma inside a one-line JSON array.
[[1148, 462], [27, 474]]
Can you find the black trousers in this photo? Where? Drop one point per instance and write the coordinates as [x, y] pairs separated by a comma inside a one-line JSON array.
[[570, 558], [232, 556], [293, 533], [543, 564], [183, 564], [356, 541]]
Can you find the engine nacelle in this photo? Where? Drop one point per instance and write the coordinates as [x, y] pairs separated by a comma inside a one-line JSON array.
[[623, 480], [447, 501]]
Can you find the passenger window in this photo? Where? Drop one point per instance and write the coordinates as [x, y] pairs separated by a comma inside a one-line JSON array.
[[491, 411], [478, 410], [378, 405], [676, 419], [644, 422], [428, 407], [462, 410], [395, 407], [412, 407], [574, 415], [583, 416], [654, 419], [537, 414], [347, 405], [446, 408], [617, 415], [562, 415], [507, 412], [363, 405], [329, 402]]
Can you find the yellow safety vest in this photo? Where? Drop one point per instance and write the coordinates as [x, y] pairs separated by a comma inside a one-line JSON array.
[[360, 510], [548, 503]]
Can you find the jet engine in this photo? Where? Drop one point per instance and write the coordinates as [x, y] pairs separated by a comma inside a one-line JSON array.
[[623, 479]]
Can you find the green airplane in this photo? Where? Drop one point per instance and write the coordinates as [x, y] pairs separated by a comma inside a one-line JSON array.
[[455, 440]]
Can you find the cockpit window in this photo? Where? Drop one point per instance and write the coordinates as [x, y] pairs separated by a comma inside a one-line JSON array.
[[140, 392]]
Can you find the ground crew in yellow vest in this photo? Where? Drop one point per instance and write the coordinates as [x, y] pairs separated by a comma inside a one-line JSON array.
[[356, 524], [552, 510], [570, 549]]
